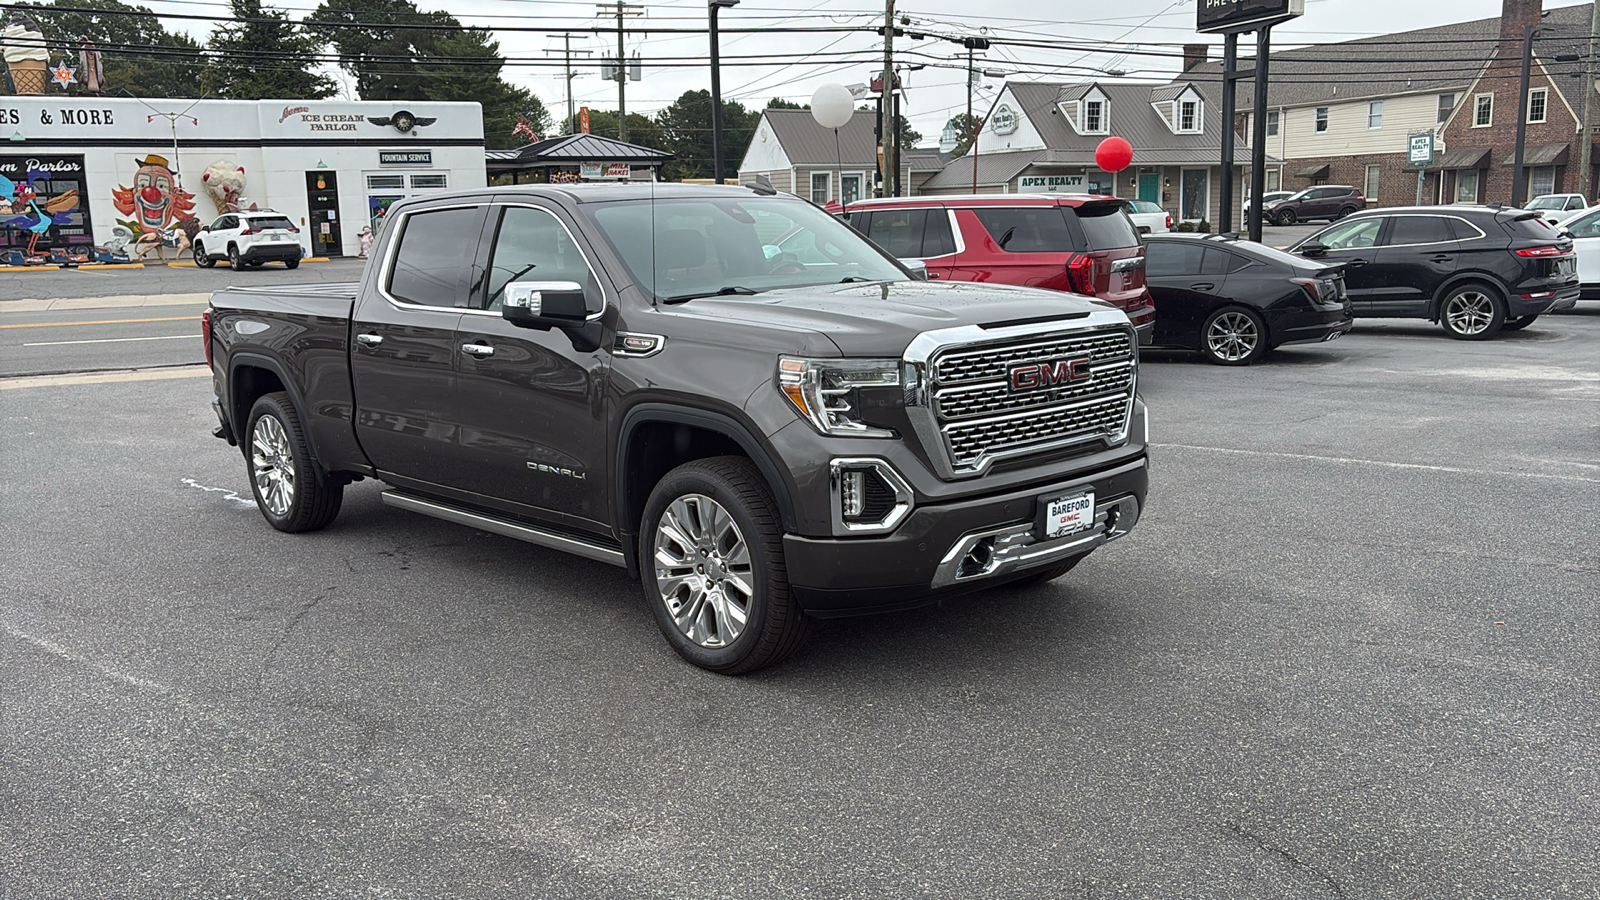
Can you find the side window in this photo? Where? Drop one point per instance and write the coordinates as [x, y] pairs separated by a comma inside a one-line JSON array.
[[1574, 203], [1237, 262], [1028, 229], [433, 262], [532, 245], [1409, 230], [899, 231], [1173, 258], [937, 240], [1351, 235], [1216, 262], [860, 221], [1586, 227]]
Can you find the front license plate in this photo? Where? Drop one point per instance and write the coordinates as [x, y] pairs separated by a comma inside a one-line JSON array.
[[1067, 515]]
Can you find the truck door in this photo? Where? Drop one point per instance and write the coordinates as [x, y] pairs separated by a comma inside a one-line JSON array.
[[530, 404], [403, 350]]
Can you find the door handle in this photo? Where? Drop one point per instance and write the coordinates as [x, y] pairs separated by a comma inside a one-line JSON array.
[[1204, 286], [1357, 262], [478, 350], [933, 276], [1440, 258], [369, 340]]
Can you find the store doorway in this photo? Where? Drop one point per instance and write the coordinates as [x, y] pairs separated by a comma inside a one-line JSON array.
[[1150, 187], [322, 197]]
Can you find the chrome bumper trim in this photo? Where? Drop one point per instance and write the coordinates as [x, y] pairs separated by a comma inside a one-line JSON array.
[[1011, 547]]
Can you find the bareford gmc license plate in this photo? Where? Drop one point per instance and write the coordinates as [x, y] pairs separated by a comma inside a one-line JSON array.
[[1066, 515]]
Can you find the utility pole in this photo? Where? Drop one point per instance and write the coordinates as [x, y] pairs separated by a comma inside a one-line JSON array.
[[974, 44], [620, 10], [888, 123], [1586, 154], [1518, 183], [572, 112]]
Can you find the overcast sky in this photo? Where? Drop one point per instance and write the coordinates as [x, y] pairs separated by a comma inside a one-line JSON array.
[[801, 62]]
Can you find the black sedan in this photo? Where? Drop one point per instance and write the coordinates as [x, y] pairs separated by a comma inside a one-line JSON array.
[[1233, 300]]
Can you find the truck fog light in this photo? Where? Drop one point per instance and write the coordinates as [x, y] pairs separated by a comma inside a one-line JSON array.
[[854, 493], [869, 496]]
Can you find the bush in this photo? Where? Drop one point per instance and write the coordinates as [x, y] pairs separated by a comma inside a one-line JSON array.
[[1203, 227], [1184, 227]]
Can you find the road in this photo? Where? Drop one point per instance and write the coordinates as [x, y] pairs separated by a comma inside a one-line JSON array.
[[1348, 653]]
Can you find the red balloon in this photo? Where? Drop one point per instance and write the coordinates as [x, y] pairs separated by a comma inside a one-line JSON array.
[[1114, 154]]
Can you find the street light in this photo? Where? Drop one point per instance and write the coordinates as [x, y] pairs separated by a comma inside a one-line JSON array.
[[716, 92]]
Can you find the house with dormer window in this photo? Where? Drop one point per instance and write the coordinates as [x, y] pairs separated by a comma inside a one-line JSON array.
[[1041, 136]]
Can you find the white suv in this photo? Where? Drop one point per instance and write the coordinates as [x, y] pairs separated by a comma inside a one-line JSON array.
[[249, 239]]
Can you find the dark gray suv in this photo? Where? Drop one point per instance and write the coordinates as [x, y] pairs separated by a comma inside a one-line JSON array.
[[1327, 201]]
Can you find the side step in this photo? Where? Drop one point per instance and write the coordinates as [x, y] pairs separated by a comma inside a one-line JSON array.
[[502, 527]]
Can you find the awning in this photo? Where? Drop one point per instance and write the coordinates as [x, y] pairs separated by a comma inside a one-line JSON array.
[[1459, 158], [1313, 172], [1542, 155]]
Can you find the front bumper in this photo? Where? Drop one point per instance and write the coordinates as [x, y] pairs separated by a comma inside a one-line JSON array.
[[931, 555]]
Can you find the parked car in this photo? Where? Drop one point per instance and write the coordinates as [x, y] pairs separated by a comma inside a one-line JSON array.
[[1148, 216], [1473, 269], [1079, 243], [1584, 230], [1233, 300], [1327, 201], [249, 239], [1269, 197], [1555, 207], [625, 374]]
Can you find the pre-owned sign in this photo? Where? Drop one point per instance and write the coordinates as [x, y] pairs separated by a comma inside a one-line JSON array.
[[1216, 16]]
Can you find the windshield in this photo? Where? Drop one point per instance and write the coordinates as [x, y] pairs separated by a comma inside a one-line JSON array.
[[700, 246], [1295, 196], [1548, 203]]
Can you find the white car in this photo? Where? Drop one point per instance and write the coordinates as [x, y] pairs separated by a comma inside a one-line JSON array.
[[251, 238], [1148, 216], [1556, 207], [1584, 228]]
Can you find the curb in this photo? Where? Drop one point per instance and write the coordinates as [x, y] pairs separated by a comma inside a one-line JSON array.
[[122, 302]]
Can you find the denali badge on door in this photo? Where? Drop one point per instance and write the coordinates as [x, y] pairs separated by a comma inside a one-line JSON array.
[[1066, 515]]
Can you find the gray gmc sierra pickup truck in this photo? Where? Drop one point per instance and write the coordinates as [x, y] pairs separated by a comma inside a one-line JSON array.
[[725, 390]]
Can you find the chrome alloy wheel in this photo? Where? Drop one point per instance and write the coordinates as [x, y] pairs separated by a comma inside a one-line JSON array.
[[1469, 312], [703, 571], [1232, 336], [272, 463]]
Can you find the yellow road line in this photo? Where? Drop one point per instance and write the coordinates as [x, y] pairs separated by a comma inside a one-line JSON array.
[[105, 322], [31, 381]]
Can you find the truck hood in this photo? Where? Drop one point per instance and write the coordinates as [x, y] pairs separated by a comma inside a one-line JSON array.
[[881, 319]]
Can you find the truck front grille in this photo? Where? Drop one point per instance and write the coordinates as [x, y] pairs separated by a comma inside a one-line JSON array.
[[1028, 396]]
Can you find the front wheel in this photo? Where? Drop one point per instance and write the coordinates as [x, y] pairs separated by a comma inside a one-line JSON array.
[[1284, 217], [1233, 336], [712, 565], [1519, 323], [292, 491], [1472, 312], [202, 258]]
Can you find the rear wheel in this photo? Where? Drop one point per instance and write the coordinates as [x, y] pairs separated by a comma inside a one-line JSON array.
[[202, 258], [293, 492], [1472, 312], [1284, 217], [712, 565], [291, 264], [1344, 212], [1518, 324], [233, 257], [1233, 336]]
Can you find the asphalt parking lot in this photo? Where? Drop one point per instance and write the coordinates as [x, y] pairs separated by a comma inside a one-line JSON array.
[[1349, 652]]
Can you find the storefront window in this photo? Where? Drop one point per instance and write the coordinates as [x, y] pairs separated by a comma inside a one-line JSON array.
[[1467, 186], [851, 185], [1195, 185]]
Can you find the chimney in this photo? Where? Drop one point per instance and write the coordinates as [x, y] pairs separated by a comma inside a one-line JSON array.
[[1515, 17], [1195, 54]]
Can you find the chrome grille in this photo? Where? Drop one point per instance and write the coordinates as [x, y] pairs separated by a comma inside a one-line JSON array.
[[979, 417]]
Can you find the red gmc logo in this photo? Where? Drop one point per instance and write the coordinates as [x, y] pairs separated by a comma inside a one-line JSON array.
[[1050, 374]]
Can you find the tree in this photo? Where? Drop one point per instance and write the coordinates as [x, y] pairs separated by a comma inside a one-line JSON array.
[[686, 125], [905, 135], [263, 55], [173, 70], [479, 80], [780, 103], [967, 130]]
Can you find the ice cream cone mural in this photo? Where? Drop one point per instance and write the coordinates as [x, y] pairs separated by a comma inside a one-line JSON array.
[[26, 54], [155, 201]]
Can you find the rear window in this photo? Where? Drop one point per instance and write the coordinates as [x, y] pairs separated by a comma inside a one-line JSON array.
[[899, 231], [1531, 226], [1106, 226], [264, 222], [1031, 229]]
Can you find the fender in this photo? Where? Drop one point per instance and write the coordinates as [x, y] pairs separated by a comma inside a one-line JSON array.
[[720, 423], [1450, 283], [237, 417]]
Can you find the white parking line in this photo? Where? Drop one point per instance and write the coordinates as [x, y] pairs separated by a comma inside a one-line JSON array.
[[168, 337], [1378, 462]]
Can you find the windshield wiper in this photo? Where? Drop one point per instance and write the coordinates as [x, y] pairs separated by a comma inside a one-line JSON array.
[[729, 291]]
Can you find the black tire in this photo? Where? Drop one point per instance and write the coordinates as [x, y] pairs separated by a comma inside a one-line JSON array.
[[233, 257], [1472, 312], [310, 499], [1050, 573], [774, 626], [1233, 336], [1284, 217], [291, 264], [1343, 212], [1518, 324], [201, 258], [256, 264]]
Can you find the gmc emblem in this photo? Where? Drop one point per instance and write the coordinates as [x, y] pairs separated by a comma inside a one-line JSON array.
[[1050, 374]]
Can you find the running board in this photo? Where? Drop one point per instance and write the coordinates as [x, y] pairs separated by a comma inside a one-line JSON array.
[[502, 527]]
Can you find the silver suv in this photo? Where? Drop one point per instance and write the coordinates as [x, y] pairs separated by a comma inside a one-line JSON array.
[[249, 239]]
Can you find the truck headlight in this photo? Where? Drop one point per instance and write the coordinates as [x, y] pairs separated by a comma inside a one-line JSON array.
[[827, 392]]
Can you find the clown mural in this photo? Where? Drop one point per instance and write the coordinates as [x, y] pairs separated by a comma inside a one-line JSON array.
[[155, 202]]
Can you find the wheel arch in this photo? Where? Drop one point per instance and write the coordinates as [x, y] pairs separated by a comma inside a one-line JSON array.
[[1457, 280], [252, 376], [655, 438]]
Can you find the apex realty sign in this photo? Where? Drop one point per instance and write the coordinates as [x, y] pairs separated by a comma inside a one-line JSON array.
[[1221, 16]]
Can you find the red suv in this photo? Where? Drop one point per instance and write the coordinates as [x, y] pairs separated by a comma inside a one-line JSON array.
[[1080, 243]]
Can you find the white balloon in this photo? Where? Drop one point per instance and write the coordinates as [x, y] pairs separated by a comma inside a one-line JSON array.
[[832, 106]]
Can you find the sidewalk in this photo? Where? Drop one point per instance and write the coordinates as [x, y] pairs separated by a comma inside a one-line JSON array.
[[123, 302]]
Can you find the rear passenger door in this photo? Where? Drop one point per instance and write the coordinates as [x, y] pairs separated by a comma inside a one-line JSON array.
[[1187, 280], [1023, 245], [1416, 255]]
